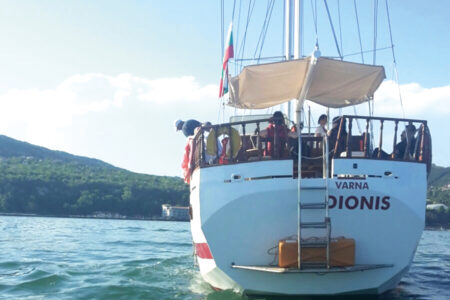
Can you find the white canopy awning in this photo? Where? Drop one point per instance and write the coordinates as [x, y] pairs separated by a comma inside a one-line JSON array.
[[334, 83]]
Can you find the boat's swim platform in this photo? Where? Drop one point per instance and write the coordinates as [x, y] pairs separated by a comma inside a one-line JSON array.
[[276, 269]]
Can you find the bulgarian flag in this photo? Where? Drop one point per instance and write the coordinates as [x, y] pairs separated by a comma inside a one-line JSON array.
[[229, 53]]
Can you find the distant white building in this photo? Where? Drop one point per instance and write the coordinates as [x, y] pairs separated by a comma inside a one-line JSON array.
[[178, 213], [445, 187], [436, 206]]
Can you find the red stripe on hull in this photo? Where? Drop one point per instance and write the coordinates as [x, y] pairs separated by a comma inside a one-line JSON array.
[[202, 251], [215, 288]]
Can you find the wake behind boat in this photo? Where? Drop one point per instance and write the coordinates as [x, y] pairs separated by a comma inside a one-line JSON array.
[[278, 210]]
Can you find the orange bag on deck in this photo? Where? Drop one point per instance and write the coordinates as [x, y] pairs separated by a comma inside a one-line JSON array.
[[342, 253]]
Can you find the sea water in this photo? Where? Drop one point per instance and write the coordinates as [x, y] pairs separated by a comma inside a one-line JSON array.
[[62, 258]]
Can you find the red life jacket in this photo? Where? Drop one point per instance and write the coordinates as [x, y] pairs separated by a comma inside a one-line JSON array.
[[282, 138], [186, 164], [223, 159]]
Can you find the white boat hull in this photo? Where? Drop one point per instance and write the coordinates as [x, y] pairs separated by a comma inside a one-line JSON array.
[[240, 211]]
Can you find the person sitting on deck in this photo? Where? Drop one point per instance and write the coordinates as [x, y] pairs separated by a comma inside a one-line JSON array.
[[407, 134], [333, 135], [321, 130], [276, 124], [399, 149]]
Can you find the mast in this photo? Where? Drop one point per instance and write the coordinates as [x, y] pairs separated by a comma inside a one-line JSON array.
[[298, 28], [287, 29], [288, 9], [293, 35]]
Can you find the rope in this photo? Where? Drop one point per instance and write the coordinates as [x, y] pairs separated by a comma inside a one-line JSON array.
[[249, 15], [390, 31], [340, 28], [393, 57], [332, 29], [269, 3], [357, 120], [359, 32], [222, 42], [232, 19], [367, 51], [265, 32], [237, 36], [275, 58], [222, 8], [314, 13], [375, 31]]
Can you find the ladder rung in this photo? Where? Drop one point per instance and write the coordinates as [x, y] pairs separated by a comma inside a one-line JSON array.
[[308, 265], [313, 206], [313, 225], [313, 244]]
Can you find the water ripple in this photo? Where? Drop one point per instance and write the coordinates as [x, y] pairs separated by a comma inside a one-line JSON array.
[[51, 258]]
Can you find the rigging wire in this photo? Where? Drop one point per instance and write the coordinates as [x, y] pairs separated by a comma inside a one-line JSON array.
[[359, 32], [282, 28], [265, 32], [237, 35], [314, 13], [362, 54], [332, 29], [249, 15], [275, 58], [374, 59], [263, 27], [222, 8], [394, 60], [232, 19], [340, 28], [365, 51], [375, 31], [342, 49]]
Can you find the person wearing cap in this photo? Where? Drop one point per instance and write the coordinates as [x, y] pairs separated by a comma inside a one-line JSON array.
[[187, 127]]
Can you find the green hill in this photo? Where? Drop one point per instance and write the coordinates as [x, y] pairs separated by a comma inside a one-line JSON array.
[[37, 180], [439, 192], [439, 185], [439, 176], [13, 148]]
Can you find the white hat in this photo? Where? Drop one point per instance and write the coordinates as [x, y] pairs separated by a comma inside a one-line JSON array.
[[177, 124]]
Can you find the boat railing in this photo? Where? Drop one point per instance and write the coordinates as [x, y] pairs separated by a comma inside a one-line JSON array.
[[414, 143], [242, 142], [245, 141]]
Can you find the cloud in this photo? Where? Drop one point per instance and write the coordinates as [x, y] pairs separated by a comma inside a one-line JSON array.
[[88, 114], [41, 115], [417, 100], [176, 89]]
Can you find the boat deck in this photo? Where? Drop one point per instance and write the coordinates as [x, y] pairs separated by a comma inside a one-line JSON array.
[[276, 269]]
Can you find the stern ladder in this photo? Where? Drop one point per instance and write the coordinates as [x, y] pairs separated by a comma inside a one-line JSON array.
[[320, 221]]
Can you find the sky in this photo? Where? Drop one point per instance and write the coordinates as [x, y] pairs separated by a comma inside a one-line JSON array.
[[107, 79]]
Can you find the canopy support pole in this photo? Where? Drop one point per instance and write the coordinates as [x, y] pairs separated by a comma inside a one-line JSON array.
[[300, 100]]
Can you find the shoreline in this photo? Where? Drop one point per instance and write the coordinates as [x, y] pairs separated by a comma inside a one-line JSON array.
[[427, 227], [91, 217]]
